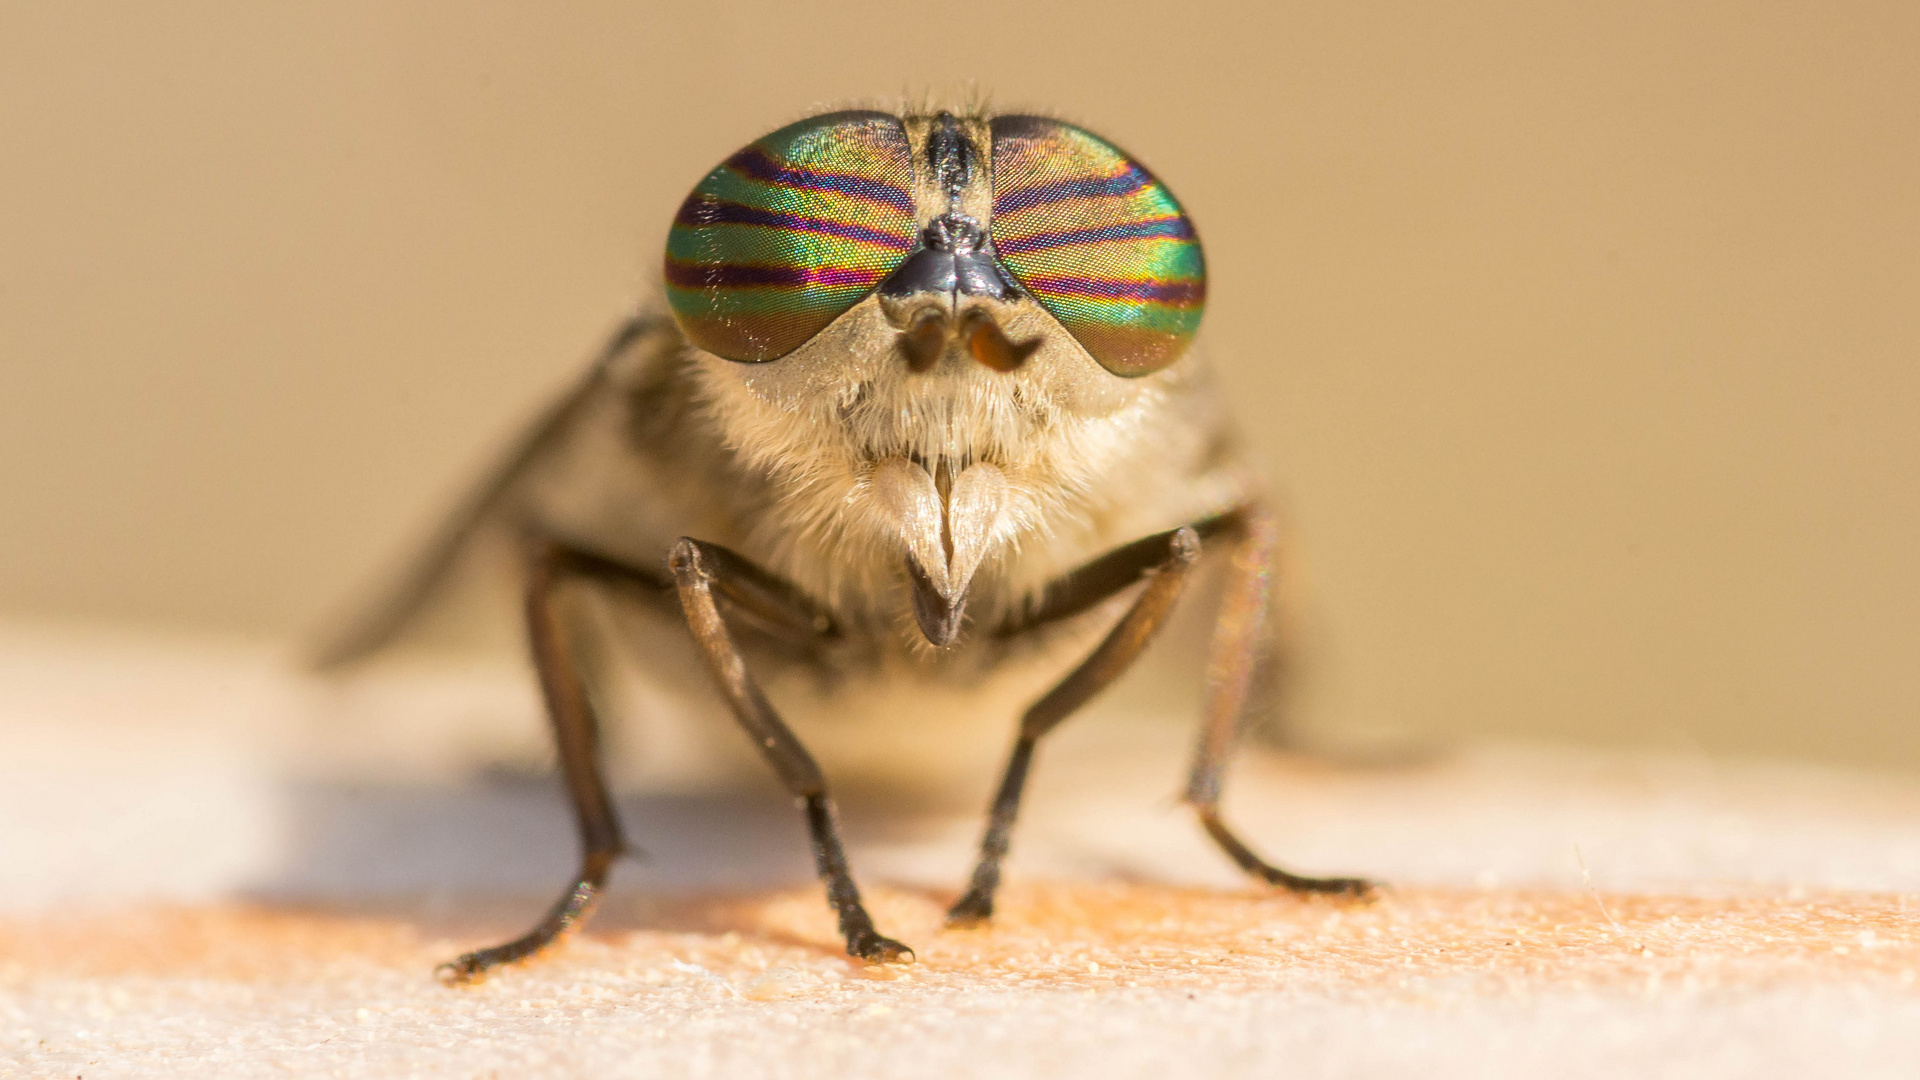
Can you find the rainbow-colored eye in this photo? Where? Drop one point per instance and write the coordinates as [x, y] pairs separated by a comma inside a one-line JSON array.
[[789, 233], [1100, 243]]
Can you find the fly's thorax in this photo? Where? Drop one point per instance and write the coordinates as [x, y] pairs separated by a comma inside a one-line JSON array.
[[989, 481]]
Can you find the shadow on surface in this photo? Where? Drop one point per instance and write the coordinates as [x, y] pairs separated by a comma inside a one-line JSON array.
[[496, 852]]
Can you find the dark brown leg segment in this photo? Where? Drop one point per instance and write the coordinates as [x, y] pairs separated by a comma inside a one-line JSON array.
[[1164, 560], [1237, 644], [697, 569], [576, 734]]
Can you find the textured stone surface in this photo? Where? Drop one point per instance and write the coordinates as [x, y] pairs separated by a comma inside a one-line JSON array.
[[196, 885]]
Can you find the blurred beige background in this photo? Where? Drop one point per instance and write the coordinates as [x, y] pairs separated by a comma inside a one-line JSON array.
[[1582, 343]]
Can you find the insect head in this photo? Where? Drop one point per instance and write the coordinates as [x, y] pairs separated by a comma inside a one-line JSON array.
[[799, 227]]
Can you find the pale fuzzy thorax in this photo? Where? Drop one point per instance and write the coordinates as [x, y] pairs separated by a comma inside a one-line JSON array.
[[1049, 465]]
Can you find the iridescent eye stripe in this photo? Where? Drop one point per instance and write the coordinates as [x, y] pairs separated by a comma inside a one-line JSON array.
[[756, 163], [1130, 179], [1176, 293], [698, 212], [737, 277], [789, 233], [1176, 228], [1100, 243]]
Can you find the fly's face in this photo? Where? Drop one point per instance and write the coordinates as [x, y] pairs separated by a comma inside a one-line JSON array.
[[937, 308]]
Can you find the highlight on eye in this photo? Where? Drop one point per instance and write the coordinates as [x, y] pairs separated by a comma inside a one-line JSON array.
[[786, 235], [1099, 242]]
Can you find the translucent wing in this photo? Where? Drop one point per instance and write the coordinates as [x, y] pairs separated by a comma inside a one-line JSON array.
[[489, 507]]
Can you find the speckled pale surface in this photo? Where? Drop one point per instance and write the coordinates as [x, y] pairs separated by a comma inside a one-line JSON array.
[[190, 897], [1096, 980]]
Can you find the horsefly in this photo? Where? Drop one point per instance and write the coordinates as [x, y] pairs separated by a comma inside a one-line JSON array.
[[922, 409]]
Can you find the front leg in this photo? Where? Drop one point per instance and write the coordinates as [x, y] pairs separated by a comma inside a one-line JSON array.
[[773, 605], [1164, 560], [697, 568]]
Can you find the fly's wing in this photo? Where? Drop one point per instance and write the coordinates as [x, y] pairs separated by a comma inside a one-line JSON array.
[[488, 507]]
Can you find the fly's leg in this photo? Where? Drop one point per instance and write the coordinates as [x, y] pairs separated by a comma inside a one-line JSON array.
[[698, 568], [1165, 561], [576, 735], [775, 606], [1238, 642]]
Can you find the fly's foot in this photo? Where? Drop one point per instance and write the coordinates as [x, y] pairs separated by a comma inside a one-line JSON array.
[[573, 908], [1346, 888], [970, 911], [467, 969], [870, 945], [1358, 889], [471, 969]]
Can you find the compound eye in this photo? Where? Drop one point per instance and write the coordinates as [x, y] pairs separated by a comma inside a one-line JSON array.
[[789, 233], [1098, 241]]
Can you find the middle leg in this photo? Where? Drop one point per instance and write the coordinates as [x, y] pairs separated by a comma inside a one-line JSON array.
[[1240, 635]]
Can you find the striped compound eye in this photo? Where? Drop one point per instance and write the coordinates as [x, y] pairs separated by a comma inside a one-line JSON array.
[[789, 233], [1099, 242]]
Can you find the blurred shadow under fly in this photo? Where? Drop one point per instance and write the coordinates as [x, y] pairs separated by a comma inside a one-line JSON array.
[[922, 411]]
